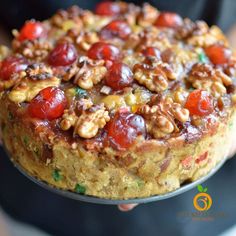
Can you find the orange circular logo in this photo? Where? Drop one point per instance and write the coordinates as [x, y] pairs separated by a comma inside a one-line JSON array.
[[202, 201]]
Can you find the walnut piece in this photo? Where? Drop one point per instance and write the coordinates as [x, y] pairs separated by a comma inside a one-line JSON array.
[[87, 124], [90, 73], [160, 116], [147, 15], [155, 76], [204, 76], [35, 49], [212, 36]]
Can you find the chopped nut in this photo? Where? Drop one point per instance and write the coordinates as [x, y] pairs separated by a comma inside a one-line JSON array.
[[204, 76], [212, 36], [105, 90], [164, 125], [160, 115], [180, 95], [179, 112], [86, 39], [191, 29], [89, 74], [38, 71], [36, 49], [154, 77], [88, 123], [147, 15]]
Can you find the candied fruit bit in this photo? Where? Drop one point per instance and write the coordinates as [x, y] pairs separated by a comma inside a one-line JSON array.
[[119, 76], [116, 28], [102, 50], [12, 65], [31, 30], [201, 157], [49, 104], [151, 52], [107, 8], [124, 128], [218, 54], [63, 54], [169, 20], [199, 103]]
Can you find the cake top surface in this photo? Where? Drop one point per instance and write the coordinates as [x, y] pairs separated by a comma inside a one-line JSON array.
[[119, 75]]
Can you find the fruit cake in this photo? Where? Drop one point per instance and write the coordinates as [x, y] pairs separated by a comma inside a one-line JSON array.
[[123, 102]]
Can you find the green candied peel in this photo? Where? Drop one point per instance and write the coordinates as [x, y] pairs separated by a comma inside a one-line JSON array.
[[231, 124], [140, 183], [81, 93], [56, 175], [202, 57], [10, 116], [80, 189], [26, 140]]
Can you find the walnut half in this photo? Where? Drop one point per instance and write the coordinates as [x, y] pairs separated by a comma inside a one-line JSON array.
[[155, 77], [88, 123], [160, 117]]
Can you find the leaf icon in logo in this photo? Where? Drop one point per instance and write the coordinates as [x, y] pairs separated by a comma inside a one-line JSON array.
[[200, 188]]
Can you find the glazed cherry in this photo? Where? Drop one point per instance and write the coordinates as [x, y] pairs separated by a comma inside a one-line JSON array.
[[108, 9], [12, 65], [169, 20], [119, 76], [199, 103], [64, 54], [124, 128], [116, 28], [151, 52], [31, 30], [102, 50], [49, 104], [218, 54]]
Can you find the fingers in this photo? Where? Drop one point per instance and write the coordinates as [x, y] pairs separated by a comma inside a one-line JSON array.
[[126, 207]]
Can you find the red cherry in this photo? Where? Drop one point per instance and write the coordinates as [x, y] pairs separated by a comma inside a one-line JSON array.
[[169, 20], [119, 76], [102, 50], [218, 54], [107, 9], [199, 103], [49, 104], [152, 52], [64, 54], [31, 30], [116, 28], [12, 65], [124, 128]]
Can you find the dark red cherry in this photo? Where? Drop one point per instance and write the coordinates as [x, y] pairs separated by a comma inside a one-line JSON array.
[[116, 28], [119, 76], [151, 52], [124, 128], [169, 20], [49, 104], [64, 54], [31, 30], [108, 8], [102, 50], [11, 65]]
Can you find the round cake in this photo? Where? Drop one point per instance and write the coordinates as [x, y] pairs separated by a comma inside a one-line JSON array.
[[123, 102]]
